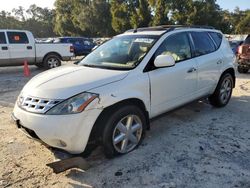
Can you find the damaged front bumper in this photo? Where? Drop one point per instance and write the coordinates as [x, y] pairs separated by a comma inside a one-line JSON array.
[[66, 132]]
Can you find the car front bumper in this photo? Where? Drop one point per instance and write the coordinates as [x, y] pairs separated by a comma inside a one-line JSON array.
[[67, 132]]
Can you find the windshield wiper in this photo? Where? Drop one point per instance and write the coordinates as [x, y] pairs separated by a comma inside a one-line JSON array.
[[108, 67]]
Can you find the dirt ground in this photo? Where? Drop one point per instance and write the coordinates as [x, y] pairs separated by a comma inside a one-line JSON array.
[[194, 146]]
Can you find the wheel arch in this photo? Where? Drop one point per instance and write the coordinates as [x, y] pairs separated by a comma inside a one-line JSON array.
[[98, 126], [52, 53]]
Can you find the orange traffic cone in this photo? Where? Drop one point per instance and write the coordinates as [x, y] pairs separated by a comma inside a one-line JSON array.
[[26, 70]]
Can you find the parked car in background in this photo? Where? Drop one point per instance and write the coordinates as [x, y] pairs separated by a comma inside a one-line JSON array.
[[82, 46], [243, 56], [109, 97], [235, 45], [17, 46]]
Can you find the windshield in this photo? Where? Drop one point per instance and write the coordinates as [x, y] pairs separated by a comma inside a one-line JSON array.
[[124, 52]]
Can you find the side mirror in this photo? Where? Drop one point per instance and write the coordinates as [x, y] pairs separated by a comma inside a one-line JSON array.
[[164, 61]]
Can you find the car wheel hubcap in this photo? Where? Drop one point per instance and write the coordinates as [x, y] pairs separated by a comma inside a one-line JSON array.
[[225, 91], [127, 134], [53, 62]]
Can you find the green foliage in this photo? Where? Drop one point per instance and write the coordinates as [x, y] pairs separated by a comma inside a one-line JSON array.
[[64, 18], [36, 19], [141, 14], [161, 11], [93, 18], [243, 27], [120, 11]]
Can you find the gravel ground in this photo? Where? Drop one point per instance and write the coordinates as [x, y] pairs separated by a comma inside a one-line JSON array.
[[194, 146]]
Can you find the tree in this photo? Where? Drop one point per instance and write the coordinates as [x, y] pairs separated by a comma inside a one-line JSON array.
[[120, 12], [140, 14], [19, 13], [93, 18], [199, 12], [243, 27], [64, 18], [40, 21], [7, 21], [161, 11]]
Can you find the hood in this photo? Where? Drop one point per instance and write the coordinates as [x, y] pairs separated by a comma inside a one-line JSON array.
[[67, 81]]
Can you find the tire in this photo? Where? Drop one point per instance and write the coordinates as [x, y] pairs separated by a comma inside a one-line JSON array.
[[117, 130], [223, 91], [242, 70], [51, 61]]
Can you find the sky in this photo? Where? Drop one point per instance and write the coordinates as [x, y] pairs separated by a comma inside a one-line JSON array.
[[231, 4], [8, 5]]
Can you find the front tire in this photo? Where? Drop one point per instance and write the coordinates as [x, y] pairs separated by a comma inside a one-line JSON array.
[[51, 61], [124, 131], [223, 91]]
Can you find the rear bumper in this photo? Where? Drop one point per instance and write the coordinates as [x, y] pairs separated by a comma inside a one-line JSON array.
[[67, 132]]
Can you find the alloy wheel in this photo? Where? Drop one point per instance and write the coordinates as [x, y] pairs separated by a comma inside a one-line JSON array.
[[225, 90], [53, 62], [127, 134]]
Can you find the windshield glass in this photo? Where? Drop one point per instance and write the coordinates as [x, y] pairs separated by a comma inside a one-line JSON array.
[[124, 52]]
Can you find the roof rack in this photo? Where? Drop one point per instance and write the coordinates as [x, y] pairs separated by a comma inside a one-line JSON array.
[[168, 28]]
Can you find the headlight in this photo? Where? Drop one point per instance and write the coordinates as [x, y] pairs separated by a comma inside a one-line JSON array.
[[73, 105]]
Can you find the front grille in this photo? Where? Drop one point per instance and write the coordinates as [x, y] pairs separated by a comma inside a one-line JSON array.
[[36, 105]]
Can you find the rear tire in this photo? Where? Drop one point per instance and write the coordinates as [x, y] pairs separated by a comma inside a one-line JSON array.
[[123, 131], [242, 70], [223, 91], [51, 61]]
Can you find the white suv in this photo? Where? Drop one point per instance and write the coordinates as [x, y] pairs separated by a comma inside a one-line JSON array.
[[109, 97]]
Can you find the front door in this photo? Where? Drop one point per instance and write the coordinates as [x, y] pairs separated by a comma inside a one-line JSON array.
[[173, 86], [4, 50]]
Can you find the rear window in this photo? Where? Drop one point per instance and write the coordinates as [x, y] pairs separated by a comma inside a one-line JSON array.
[[17, 38], [217, 37], [247, 41], [2, 38], [203, 43]]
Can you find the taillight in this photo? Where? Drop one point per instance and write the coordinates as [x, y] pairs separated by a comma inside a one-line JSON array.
[[71, 49]]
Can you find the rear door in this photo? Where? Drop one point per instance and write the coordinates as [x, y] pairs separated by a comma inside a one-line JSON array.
[[209, 61], [4, 50], [20, 48]]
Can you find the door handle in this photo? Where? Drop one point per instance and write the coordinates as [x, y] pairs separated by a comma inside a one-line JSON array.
[[219, 62], [29, 47], [4, 48], [191, 70]]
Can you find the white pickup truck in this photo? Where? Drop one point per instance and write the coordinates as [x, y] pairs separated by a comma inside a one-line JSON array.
[[17, 46]]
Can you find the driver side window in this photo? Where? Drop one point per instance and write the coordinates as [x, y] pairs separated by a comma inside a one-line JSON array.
[[176, 45]]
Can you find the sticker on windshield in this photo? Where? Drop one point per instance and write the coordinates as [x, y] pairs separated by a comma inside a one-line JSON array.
[[144, 40]]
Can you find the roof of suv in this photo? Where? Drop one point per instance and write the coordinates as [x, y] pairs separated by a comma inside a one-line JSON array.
[[159, 30]]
